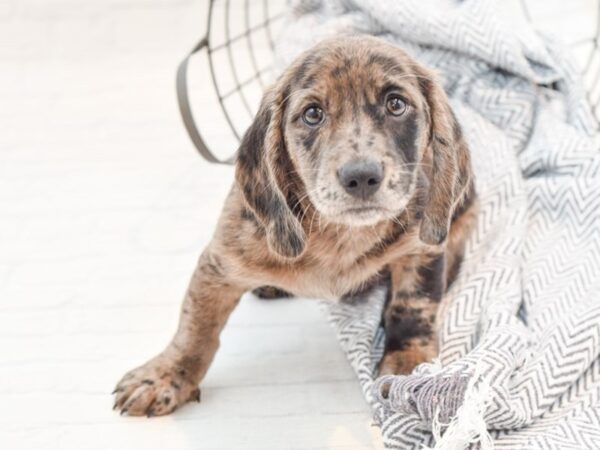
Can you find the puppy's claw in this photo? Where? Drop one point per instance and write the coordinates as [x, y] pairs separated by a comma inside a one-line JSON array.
[[123, 411], [385, 390], [119, 402], [150, 409]]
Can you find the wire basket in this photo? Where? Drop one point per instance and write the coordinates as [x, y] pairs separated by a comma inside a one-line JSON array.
[[239, 45]]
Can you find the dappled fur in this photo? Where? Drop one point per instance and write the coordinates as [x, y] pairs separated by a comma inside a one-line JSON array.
[[288, 225]]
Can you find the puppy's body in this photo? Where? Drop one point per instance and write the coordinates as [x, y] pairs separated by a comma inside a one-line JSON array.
[[355, 167]]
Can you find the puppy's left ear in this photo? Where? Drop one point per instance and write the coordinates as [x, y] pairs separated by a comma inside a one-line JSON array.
[[449, 163], [263, 179]]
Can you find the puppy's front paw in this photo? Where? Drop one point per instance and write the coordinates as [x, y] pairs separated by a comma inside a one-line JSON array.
[[395, 363], [155, 389], [402, 362]]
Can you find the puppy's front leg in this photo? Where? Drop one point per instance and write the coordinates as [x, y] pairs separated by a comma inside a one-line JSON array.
[[417, 285], [171, 378]]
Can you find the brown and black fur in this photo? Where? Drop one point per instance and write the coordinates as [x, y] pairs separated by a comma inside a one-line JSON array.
[[287, 223]]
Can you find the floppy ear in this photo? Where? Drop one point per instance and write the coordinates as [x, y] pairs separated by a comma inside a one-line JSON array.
[[260, 176], [450, 167]]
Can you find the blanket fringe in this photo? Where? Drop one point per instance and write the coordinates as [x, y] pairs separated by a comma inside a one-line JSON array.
[[453, 405], [468, 425]]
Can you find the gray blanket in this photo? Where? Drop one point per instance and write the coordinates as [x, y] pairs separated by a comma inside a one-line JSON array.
[[520, 347]]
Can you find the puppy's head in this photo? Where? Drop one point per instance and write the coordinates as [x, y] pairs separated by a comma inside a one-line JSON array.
[[349, 126]]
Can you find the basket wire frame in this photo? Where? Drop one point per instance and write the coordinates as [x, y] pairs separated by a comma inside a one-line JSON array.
[[262, 73]]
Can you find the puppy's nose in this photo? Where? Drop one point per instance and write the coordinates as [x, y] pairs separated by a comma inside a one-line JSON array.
[[361, 178]]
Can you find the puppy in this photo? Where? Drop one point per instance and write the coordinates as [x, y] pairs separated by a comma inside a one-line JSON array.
[[355, 167]]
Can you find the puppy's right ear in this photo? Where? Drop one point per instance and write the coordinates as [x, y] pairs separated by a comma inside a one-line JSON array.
[[260, 173]]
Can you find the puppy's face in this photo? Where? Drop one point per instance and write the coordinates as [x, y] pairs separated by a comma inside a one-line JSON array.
[[352, 125], [355, 126]]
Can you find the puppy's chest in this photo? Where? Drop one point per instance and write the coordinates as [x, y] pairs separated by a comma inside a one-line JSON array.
[[344, 264]]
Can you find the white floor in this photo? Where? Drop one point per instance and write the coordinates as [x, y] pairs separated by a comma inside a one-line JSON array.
[[104, 207]]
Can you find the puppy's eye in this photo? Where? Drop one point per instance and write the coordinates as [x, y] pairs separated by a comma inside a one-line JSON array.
[[313, 115], [395, 105]]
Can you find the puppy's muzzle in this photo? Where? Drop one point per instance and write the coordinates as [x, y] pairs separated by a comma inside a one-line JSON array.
[[361, 178]]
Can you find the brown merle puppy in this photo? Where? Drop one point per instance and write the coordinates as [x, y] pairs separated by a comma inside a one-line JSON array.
[[354, 167]]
